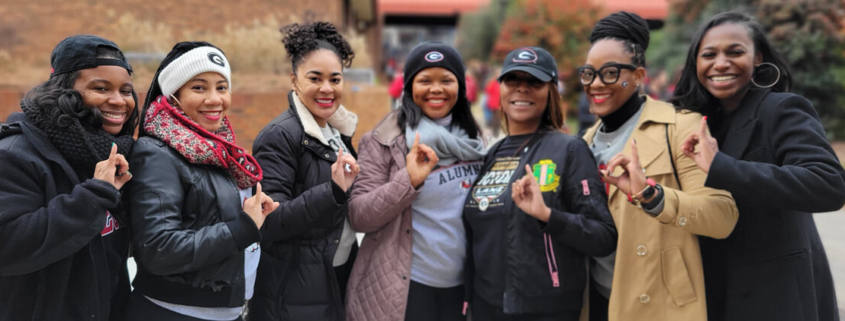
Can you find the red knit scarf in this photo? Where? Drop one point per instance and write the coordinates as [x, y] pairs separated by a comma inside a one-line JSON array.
[[199, 146]]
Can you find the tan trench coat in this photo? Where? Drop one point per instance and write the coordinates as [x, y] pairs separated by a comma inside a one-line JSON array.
[[658, 273]]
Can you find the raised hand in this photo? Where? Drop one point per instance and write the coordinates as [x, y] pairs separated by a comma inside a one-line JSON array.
[[708, 147], [633, 179], [420, 160], [526, 194], [344, 170], [105, 170], [259, 206]]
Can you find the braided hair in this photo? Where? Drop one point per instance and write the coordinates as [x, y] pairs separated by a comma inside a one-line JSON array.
[[155, 88], [630, 29], [301, 40]]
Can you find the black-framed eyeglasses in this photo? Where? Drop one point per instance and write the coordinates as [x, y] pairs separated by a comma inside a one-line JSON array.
[[609, 73]]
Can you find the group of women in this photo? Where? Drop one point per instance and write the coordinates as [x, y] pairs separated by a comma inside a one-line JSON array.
[[691, 210]]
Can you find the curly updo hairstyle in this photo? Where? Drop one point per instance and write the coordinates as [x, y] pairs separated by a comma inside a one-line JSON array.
[[301, 40]]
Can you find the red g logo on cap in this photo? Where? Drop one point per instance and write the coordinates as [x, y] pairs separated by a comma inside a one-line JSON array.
[[525, 55], [433, 56]]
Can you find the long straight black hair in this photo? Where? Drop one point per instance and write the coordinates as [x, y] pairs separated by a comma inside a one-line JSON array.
[[155, 89], [691, 95]]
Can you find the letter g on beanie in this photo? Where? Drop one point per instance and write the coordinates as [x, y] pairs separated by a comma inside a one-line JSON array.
[[190, 64], [434, 54]]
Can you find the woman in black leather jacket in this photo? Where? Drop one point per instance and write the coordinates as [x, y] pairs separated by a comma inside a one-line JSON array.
[[195, 222]]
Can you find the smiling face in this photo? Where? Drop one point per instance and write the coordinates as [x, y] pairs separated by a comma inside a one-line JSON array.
[[205, 99], [435, 91], [604, 98], [318, 82], [109, 89], [524, 99], [725, 62]]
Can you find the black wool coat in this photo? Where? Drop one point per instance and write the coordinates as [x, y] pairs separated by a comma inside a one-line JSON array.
[[53, 261], [778, 165]]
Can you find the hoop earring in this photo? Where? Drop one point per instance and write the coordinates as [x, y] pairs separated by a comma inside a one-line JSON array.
[[178, 104], [776, 79]]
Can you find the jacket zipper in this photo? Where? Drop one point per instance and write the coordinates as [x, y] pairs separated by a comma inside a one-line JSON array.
[[550, 259]]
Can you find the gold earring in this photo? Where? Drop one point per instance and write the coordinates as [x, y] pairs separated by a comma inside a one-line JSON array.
[[178, 104]]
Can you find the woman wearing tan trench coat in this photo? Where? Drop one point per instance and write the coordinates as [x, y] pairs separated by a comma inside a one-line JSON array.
[[657, 274]]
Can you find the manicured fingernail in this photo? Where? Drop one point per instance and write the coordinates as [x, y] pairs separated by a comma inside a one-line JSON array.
[[705, 118], [112, 144], [635, 141]]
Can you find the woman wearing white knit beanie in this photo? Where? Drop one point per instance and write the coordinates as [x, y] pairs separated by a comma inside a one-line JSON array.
[[195, 219]]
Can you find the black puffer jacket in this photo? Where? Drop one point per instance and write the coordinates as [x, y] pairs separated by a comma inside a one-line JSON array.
[[57, 262], [188, 227], [296, 279]]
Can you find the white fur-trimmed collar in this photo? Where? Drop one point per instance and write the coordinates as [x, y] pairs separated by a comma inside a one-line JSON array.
[[343, 120]]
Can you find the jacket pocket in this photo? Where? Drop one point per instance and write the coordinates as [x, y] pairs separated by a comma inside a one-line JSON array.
[[676, 277]]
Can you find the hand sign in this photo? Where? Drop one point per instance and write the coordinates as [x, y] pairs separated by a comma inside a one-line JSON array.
[[105, 170], [259, 206], [344, 170], [526, 194], [632, 180], [419, 162], [708, 147]]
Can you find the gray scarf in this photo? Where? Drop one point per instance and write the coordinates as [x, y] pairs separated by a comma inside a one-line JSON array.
[[450, 145]]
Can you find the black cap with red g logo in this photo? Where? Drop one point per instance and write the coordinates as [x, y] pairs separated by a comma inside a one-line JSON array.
[[534, 60]]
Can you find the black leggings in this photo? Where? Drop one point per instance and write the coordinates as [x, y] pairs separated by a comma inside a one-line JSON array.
[[427, 303], [482, 310], [142, 309], [598, 303]]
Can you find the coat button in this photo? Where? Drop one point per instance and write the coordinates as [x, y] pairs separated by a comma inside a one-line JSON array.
[[644, 298], [336, 241], [327, 155], [404, 277], [641, 250], [682, 221], [305, 142], [408, 231], [375, 133]]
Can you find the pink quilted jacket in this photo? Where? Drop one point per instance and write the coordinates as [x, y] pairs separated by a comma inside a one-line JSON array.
[[381, 207]]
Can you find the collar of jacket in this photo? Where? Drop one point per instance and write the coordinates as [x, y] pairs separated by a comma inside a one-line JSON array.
[[651, 140], [387, 130], [343, 120], [743, 122]]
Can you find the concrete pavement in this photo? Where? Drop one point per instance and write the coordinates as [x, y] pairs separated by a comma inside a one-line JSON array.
[[832, 230]]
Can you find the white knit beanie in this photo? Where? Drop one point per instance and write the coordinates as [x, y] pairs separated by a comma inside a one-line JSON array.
[[192, 63]]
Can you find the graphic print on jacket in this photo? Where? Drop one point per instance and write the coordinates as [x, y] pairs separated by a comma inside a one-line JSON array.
[[495, 182]]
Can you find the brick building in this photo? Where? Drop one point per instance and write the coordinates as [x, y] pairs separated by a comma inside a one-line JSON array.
[[246, 30]]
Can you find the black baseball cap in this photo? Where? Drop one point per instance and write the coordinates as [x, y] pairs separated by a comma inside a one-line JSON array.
[[534, 60], [81, 52]]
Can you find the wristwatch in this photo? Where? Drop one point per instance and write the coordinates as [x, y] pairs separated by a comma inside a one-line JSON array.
[[649, 190]]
